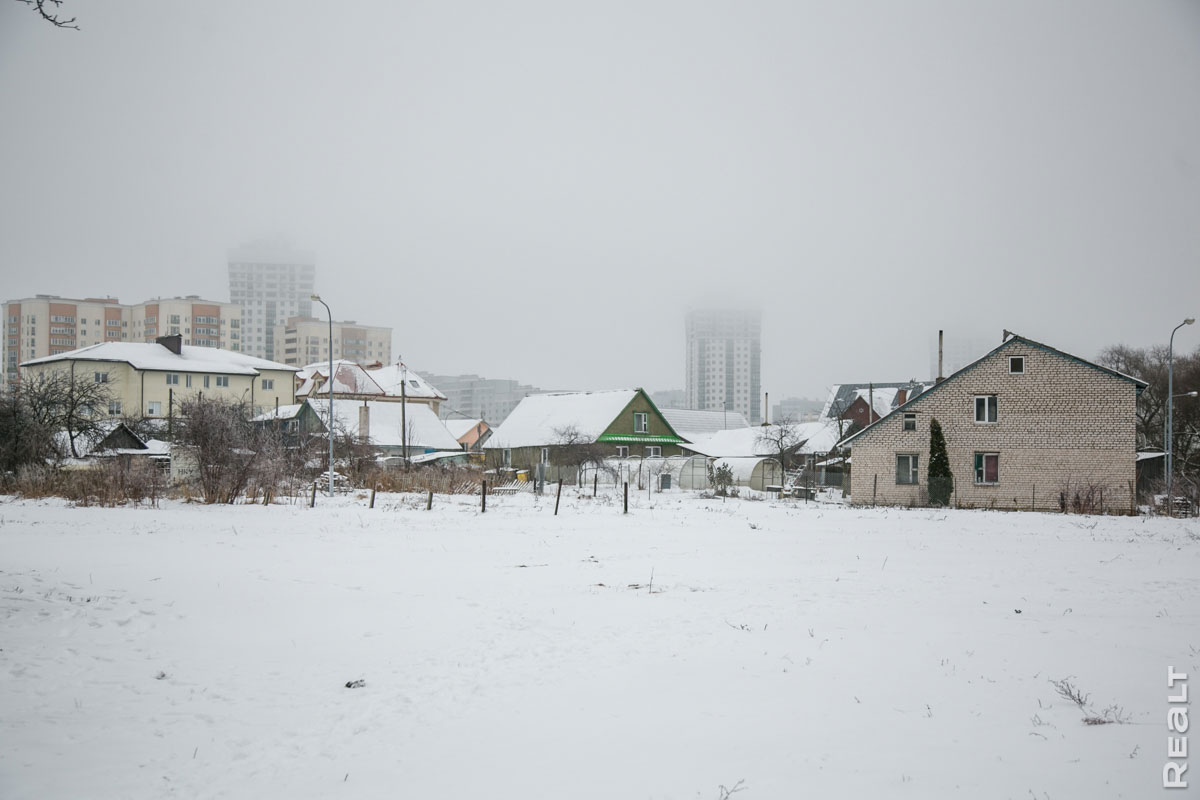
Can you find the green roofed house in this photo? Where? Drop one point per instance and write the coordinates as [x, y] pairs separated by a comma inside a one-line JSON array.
[[563, 429]]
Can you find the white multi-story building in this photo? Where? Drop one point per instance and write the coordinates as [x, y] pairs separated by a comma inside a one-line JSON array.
[[49, 325], [271, 283], [724, 361], [304, 340]]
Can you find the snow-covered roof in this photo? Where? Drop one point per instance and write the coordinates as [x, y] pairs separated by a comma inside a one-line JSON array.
[[841, 395], [390, 376], [446, 455], [290, 411], [352, 378], [384, 423], [461, 427], [813, 437], [348, 378], [153, 356], [883, 397], [692, 424], [154, 447], [539, 419]]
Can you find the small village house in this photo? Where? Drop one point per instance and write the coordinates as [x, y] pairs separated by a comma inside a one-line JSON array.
[[560, 430], [1026, 426]]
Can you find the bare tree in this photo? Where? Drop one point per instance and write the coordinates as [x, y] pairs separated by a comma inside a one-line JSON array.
[[48, 9], [24, 438], [781, 438], [61, 400], [1150, 365], [573, 450]]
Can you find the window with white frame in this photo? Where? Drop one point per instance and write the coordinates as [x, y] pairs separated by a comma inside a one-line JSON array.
[[508, 458], [545, 455], [101, 377], [114, 408], [641, 422], [622, 451], [985, 408], [172, 379], [1016, 365], [987, 468], [222, 381], [154, 409], [653, 451], [205, 381], [268, 384], [187, 381], [910, 422], [906, 468]]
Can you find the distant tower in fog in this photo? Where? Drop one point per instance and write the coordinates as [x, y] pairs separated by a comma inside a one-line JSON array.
[[724, 361], [271, 282]]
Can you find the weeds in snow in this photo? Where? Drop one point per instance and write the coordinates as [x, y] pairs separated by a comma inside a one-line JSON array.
[[1112, 714], [724, 793]]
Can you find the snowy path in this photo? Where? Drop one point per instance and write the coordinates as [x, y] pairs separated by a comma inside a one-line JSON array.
[[811, 651]]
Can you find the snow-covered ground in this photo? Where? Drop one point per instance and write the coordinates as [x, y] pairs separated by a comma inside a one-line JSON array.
[[809, 651]]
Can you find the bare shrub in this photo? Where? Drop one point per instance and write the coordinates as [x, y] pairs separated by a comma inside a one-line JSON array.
[[232, 455], [1112, 714]]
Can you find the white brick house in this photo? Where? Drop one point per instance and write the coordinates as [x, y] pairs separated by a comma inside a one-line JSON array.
[[1026, 426]]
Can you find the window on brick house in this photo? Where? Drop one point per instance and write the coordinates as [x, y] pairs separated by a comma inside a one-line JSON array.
[[1016, 365], [985, 408], [987, 468], [910, 422], [906, 468]]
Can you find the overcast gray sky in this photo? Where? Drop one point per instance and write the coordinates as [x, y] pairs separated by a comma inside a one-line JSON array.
[[539, 190]]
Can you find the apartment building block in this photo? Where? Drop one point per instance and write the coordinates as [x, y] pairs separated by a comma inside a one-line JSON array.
[[305, 340]]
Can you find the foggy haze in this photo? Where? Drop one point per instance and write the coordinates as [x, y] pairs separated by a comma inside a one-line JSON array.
[[538, 191]]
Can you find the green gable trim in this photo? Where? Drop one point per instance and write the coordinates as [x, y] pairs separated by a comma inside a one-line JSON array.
[[622, 425], [640, 438]]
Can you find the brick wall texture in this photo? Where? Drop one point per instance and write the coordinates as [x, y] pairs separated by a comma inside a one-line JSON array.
[[1063, 428]]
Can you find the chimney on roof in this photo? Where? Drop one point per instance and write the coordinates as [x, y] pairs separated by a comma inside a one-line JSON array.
[[174, 343], [940, 377]]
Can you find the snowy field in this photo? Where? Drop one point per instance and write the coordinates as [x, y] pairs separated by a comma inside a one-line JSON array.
[[807, 651]]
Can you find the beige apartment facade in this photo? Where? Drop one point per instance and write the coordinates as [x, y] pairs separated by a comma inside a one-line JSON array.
[[305, 340], [48, 325], [201, 323], [1026, 427], [151, 379]]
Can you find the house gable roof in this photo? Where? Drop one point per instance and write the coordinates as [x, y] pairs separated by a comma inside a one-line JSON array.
[[1139, 385], [539, 418], [692, 424], [150, 356]]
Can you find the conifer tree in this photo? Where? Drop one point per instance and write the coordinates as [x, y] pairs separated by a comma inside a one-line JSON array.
[[941, 479]]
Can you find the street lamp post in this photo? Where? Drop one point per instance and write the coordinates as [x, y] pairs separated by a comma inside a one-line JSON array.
[[329, 386], [1170, 445]]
